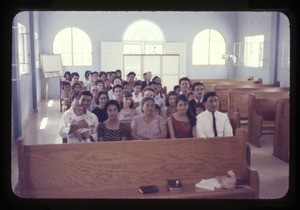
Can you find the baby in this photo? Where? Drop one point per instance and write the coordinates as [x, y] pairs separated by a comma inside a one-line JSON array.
[[81, 134]]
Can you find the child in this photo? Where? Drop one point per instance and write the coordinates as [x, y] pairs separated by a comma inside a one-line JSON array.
[[81, 134], [65, 95], [157, 109], [199, 107]]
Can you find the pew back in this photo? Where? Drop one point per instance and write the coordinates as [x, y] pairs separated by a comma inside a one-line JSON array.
[[238, 98], [117, 169], [261, 113], [208, 83], [223, 92]]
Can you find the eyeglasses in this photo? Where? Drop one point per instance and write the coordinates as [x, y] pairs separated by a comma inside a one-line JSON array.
[[102, 99]]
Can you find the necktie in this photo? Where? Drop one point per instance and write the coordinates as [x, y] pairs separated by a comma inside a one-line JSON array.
[[214, 124]]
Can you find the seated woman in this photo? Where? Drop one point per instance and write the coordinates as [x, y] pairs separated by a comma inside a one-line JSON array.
[[148, 125], [99, 111], [170, 107], [111, 129], [127, 111], [182, 123]]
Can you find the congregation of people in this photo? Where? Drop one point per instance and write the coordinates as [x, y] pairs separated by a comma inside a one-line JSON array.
[[103, 106]]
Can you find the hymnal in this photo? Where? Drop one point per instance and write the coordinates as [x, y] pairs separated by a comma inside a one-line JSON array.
[[174, 185], [148, 189]]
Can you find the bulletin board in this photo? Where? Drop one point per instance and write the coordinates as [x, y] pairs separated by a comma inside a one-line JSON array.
[[51, 63]]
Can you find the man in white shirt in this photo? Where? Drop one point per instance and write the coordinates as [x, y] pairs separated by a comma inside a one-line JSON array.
[[205, 125], [65, 128]]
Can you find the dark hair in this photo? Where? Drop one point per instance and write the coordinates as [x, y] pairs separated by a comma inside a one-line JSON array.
[[189, 113], [176, 87], [87, 73], [75, 94], [189, 93], [97, 81], [152, 83], [74, 84], [125, 82], [171, 93], [196, 84], [112, 102], [117, 86], [131, 73], [208, 94], [157, 107], [148, 88], [147, 99], [95, 72], [85, 93], [137, 83], [102, 73], [184, 78], [154, 78], [74, 74], [116, 78], [201, 105], [65, 74], [101, 92], [126, 93]]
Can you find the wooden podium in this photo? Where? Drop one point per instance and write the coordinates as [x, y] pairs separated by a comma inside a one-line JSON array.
[[52, 68]]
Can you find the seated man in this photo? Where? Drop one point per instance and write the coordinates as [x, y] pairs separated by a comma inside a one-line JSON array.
[[66, 128], [211, 122]]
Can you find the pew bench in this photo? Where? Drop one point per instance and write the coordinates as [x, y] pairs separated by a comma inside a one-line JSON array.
[[238, 100], [223, 92], [261, 114], [117, 169], [209, 83]]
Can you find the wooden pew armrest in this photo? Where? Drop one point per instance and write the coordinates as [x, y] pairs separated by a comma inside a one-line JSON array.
[[253, 180]]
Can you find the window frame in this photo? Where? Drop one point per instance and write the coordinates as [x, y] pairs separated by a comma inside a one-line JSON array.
[[211, 54], [71, 53]]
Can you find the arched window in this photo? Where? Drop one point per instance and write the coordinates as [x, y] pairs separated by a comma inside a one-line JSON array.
[[75, 47], [143, 36], [208, 48]]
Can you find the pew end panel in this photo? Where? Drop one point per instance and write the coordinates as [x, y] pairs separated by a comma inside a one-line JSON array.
[[117, 169], [282, 130]]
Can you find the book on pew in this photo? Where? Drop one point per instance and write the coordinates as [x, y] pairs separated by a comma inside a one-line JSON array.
[[174, 185], [148, 189]]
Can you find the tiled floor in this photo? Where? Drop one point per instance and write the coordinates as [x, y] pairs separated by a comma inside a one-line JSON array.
[[273, 172]]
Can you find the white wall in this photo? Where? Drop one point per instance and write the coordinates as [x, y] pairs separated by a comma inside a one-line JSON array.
[[110, 27], [283, 71], [265, 23]]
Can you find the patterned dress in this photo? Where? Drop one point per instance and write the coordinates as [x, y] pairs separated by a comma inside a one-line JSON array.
[[111, 135]]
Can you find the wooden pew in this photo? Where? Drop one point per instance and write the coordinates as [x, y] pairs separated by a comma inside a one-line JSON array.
[[223, 92], [117, 169], [282, 130], [208, 83], [261, 114], [238, 100]]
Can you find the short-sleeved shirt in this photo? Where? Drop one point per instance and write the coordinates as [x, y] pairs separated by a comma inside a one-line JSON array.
[[112, 135]]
